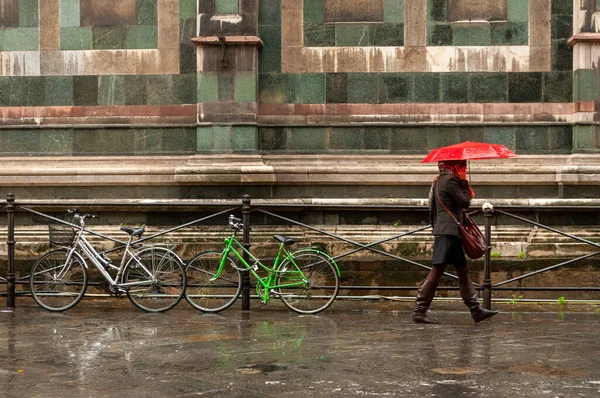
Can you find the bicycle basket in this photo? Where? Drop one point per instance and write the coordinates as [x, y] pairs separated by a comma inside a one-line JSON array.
[[61, 235]]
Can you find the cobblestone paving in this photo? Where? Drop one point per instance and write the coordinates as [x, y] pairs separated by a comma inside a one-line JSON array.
[[353, 349]]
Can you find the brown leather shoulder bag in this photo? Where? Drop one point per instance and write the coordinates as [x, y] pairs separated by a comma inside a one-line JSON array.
[[472, 239]]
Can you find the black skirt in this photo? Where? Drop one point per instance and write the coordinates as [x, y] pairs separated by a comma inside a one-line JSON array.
[[447, 249]]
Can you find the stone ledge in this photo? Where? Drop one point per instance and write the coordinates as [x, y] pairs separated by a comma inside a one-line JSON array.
[[286, 169]]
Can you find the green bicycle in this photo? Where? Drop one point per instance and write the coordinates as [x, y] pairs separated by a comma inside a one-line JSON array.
[[307, 280]]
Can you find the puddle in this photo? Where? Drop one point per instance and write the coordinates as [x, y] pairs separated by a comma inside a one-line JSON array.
[[259, 368], [457, 371], [544, 370]]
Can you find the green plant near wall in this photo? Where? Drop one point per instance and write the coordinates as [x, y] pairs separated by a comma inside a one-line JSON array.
[[495, 254], [562, 301], [522, 255], [513, 300]]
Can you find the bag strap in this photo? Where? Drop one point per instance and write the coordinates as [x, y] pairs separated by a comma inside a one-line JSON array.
[[437, 194]]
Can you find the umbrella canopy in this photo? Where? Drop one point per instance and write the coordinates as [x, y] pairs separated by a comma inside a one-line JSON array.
[[469, 151]]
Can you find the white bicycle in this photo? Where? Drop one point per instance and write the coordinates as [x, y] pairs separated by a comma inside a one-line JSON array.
[[153, 278]]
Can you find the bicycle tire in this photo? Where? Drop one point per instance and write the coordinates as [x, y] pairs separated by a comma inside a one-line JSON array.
[[58, 295], [320, 289], [161, 291], [212, 296]]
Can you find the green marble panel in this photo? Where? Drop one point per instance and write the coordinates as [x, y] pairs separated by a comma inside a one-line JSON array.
[[85, 90], [346, 138], [454, 87], [532, 139], [488, 87], [58, 90], [204, 139], [222, 138], [558, 87], [160, 90], [353, 34], [111, 90], [322, 35], [56, 142], [377, 138], [245, 87], [142, 37], [226, 6], [395, 87], [309, 88], [427, 87], [408, 139], [208, 87], [586, 84], [362, 88], [109, 38], [187, 9], [148, 12], [518, 10], [308, 138], [471, 34], [136, 89], [244, 138], [506, 136], [269, 12], [20, 39], [107, 142], [524, 87], [314, 12], [70, 13], [28, 13], [75, 38], [393, 11], [269, 58], [275, 88]]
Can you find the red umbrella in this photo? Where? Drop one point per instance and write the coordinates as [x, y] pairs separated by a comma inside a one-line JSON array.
[[469, 151]]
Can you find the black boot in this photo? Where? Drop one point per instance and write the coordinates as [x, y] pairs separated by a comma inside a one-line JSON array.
[[424, 299], [469, 296]]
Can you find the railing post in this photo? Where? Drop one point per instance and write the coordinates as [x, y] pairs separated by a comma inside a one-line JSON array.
[[488, 212], [246, 244], [10, 243]]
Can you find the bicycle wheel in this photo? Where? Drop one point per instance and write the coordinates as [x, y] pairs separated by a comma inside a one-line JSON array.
[[313, 282], [159, 277], [207, 295], [56, 285]]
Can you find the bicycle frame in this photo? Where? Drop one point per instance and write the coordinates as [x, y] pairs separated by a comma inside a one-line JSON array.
[[81, 243], [268, 283]]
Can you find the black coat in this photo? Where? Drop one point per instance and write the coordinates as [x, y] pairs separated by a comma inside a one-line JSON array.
[[454, 193]]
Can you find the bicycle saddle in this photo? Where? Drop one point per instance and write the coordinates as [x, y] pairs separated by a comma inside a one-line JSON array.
[[134, 231], [285, 240]]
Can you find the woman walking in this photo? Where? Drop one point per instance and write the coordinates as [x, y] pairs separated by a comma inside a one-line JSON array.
[[451, 190]]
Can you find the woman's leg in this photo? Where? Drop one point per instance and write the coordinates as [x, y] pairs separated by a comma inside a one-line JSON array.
[[469, 295], [426, 293]]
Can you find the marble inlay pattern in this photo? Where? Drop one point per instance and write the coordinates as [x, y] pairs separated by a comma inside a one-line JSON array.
[[51, 60], [415, 55]]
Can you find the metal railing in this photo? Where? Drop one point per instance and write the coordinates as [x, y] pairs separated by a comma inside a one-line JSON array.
[[247, 208]]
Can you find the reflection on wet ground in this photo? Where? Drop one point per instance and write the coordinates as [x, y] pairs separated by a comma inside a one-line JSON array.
[[354, 349]]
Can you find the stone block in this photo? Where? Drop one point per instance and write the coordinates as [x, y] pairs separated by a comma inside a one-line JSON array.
[[477, 10], [56, 142], [346, 138], [314, 12], [148, 12], [188, 9], [160, 89], [114, 142], [75, 38], [438, 10], [354, 10], [509, 33], [441, 136], [69, 13], [28, 13], [307, 139], [225, 86], [21, 39], [85, 90], [269, 13], [454, 87], [244, 138], [309, 88], [393, 11], [108, 38], [560, 139], [135, 90], [139, 37], [524, 87], [558, 87], [395, 88], [388, 34], [440, 34], [517, 10], [109, 13], [204, 139], [58, 90], [178, 141], [336, 88], [9, 13], [111, 90], [269, 58], [33, 90], [221, 138], [489, 87], [427, 88], [532, 139], [377, 138], [207, 87], [471, 133], [471, 34], [585, 85], [245, 87], [562, 55], [408, 140], [353, 34], [506, 136], [274, 89], [187, 61], [321, 35], [227, 7], [272, 139], [20, 142], [362, 88]]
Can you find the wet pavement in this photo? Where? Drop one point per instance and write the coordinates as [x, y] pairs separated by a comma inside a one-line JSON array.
[[353, 349]]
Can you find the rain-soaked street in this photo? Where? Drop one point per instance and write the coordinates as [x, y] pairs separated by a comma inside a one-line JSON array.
[[353, 349]]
